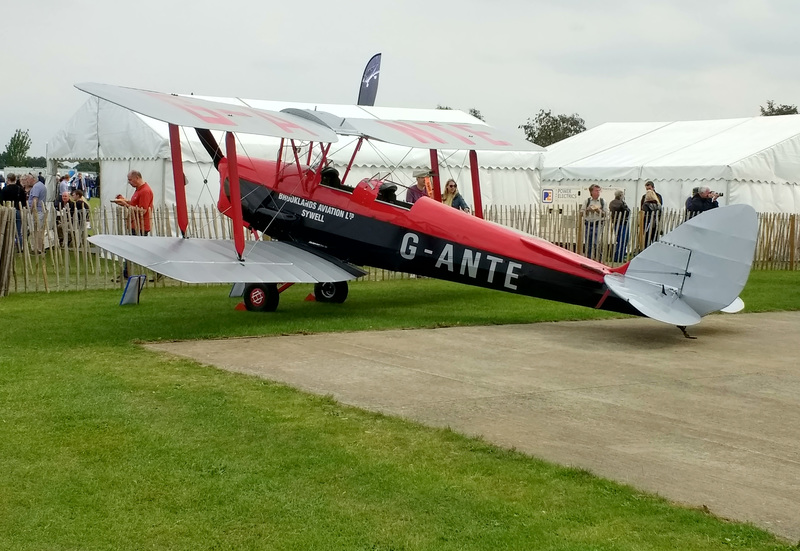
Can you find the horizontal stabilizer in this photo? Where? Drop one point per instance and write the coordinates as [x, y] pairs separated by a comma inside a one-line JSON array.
[[735, 306], [213, 115], [655, 301], [698, 268], [214, 260]]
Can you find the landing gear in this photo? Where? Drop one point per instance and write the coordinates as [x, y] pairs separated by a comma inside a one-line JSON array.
[[685, 332], [331, 291], [261, 297]]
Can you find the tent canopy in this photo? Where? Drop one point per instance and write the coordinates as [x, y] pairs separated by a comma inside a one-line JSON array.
[[753, 160], [122, 140]]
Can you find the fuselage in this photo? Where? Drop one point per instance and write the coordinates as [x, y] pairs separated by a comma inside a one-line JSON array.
[[367, 226]]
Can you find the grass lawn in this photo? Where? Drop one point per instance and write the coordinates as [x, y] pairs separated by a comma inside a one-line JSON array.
[[104, 445]]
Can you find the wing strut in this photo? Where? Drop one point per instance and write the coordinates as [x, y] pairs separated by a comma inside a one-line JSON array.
[[296, 159], [476, 183], [353, 157], [437, 183], [236, 194], [280, 163], [178, 177]]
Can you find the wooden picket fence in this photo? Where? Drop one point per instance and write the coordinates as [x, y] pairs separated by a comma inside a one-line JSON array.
[[70, 262]]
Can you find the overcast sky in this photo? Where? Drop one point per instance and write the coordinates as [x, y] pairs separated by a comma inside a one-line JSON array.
[[609, 60]]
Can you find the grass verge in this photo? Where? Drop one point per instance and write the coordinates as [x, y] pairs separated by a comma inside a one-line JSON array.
[[104, 445]]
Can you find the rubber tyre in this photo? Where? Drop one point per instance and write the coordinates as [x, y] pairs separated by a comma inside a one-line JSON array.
[[261, 297], [335, 291]]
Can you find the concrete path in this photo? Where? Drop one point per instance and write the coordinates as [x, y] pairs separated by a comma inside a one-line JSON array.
[[713, 421]]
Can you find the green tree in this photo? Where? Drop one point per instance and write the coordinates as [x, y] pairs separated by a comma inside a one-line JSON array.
[[35, 162], [472, 111], [88, 166], [475, 113], [17, 148], [546, 129], [772, 109]]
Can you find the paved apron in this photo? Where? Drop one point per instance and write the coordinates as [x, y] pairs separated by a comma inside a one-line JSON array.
[[713, 421]]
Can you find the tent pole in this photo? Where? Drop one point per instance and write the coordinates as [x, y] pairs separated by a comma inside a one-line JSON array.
[[178, 177]]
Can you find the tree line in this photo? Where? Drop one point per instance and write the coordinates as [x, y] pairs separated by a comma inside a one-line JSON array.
[[16, 154], [543, 129]]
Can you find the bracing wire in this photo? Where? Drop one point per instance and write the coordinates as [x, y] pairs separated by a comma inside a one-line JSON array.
[[197, 162], [242, 149]]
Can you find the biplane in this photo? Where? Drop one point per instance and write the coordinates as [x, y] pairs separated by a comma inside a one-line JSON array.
[[323, 229]]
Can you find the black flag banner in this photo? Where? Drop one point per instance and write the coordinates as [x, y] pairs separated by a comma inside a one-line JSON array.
[[369, 82]]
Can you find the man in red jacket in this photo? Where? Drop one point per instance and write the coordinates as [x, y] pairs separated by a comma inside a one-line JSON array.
[[140, 204]]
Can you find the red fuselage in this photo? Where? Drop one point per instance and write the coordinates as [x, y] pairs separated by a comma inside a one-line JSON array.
[[365, 226]]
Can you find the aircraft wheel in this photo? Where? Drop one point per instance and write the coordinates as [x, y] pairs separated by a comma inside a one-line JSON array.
[[261, 297], [331, 291]]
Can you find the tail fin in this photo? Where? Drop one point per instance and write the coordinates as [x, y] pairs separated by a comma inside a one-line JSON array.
[[698, 268]]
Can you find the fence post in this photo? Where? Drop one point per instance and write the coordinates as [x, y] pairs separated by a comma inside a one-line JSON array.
[[792, 240], [8, 231]]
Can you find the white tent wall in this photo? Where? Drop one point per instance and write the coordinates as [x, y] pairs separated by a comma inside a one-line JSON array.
[[122, 141], [498, 186], [754, 161], [506, 177], [158, 174], [114, 177]]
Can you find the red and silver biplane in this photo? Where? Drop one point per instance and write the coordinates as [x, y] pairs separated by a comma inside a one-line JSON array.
[[323, 228]]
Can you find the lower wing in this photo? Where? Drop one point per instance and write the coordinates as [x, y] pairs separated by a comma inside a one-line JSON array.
[[214, 260]]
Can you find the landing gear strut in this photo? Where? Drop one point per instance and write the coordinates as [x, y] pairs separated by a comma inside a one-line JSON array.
[[685, 333]]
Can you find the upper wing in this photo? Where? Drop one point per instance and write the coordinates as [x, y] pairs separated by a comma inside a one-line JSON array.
[[424, 134], [438, 135], [199, 113], [214, 261]]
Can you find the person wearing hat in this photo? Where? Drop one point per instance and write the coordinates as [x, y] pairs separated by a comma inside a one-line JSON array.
[[418, 190]]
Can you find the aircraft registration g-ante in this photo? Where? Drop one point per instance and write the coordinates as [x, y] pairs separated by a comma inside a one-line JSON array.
[[323, 229]]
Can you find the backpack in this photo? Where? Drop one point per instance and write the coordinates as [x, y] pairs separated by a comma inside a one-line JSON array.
[[602, 203]]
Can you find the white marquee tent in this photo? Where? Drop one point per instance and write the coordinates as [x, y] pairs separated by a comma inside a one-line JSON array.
[[753, 160], [121, 140]]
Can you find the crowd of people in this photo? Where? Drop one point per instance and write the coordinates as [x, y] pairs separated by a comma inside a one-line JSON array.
[[29, 191], [88, 185], [595, 210], [651, 205]]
